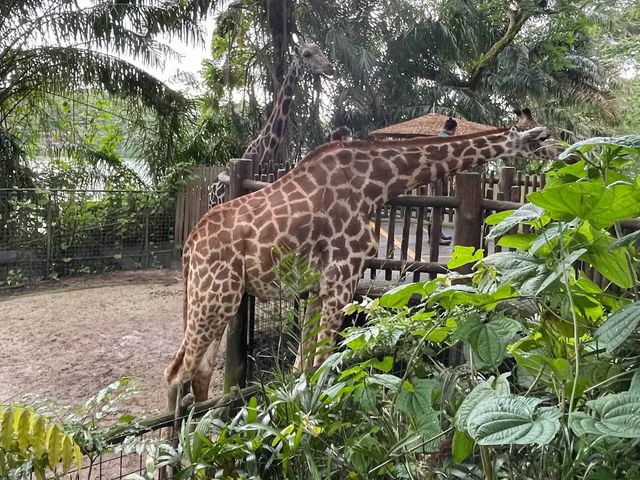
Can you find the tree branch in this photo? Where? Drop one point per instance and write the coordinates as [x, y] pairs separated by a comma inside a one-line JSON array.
[[517, 18]]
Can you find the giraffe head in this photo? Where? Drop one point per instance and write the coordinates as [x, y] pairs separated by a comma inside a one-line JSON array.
[[537, 142], [313, 60], [525, 119]]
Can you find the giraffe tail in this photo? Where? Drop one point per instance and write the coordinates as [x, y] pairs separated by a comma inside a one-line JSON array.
[[173, 371]]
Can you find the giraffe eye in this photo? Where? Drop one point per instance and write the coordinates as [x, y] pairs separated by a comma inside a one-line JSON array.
[[306, 53]]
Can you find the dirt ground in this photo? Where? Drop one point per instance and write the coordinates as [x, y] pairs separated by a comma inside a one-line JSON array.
[[66, 340]]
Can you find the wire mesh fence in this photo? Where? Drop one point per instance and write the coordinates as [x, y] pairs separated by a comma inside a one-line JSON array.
[[54, 233], [273, 337]]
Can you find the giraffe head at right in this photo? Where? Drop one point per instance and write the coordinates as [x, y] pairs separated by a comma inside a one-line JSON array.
[[313, 60], [537, 142]]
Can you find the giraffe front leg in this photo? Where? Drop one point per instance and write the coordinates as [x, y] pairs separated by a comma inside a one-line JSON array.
[[332, 317], [334, 295]]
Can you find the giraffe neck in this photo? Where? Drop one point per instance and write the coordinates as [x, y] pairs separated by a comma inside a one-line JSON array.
[[411, 167], [272, 133], [381, 171]]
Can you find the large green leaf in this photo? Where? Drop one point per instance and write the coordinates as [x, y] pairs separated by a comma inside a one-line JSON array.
[[625, 241], [563, 266], [548, 237], [516, 268], [590, 200], [628, 142], [618, 415], [611, 264], [417, 403], [453, 295], [463, 255], [462, 446], [399, 296], [525, 213], [512, 419], [521, 241], [478, 394], [486, 344], [617, 328]]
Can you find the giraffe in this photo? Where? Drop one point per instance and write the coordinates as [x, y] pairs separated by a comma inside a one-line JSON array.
[[308, 57], [320, 210], [525, 119]]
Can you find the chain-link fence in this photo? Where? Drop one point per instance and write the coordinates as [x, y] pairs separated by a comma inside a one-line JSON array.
[[54, 233]]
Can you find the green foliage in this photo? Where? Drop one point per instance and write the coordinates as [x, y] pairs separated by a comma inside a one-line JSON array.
[[32, 443]]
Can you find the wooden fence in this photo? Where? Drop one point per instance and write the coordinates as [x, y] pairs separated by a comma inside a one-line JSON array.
[[192, 200]]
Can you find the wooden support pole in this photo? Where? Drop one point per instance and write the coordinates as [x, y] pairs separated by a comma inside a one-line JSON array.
[[467, 229], [507, 178], [468, 219], [435, 229], [235, 369]]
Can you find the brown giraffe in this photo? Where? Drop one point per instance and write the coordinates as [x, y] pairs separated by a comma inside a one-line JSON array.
[[525, 120], [308, 57], [320, 209]]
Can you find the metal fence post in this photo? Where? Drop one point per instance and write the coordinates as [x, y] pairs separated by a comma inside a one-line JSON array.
[[235, 369], [49, 236], [146, 251]]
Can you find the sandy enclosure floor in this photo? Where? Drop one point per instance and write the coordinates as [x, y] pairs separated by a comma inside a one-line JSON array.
[[66, 340]]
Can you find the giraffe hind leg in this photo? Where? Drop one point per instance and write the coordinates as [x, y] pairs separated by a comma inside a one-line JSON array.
[[205, 325], [202, 379]]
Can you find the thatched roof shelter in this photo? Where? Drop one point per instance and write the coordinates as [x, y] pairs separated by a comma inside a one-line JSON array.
[[427, 126]]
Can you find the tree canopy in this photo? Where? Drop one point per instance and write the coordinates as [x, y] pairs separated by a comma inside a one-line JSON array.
[[565, 59]]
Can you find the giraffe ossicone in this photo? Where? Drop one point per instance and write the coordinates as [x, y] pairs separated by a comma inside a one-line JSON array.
[[308, 57], [319, 210]]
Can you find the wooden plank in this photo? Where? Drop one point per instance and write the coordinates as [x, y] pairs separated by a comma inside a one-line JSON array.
[[390, 250], [435, 228], [400, 266], [406, 232], [438, 201], [505, 183], [235, 369], [376, 232], [492, 182], [468, 225], [468, 231], [421, 211]]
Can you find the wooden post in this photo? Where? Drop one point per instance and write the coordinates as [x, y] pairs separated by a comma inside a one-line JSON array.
[[435, 229], [235, 369], [468, 218], [179, 399], [507, 177], [467, 229]]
